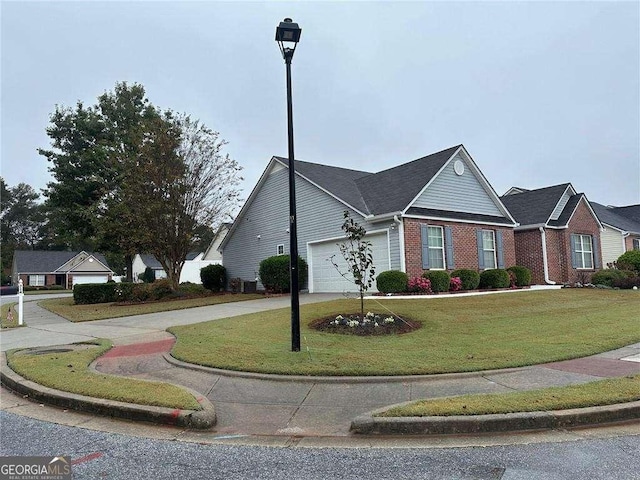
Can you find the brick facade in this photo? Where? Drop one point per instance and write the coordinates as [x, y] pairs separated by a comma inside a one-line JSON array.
[[528, 247], [464, 244]]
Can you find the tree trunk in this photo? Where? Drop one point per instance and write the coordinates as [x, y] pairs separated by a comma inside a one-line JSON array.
[[128, 261]]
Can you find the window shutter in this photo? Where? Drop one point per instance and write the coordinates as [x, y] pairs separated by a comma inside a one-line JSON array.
[[499, 253], [425, 246], [597, 258], [480, 249], [574, 255], [448, 245]]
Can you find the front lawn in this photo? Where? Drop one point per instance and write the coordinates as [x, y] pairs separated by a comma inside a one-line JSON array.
[[99, 311], [457, 335], [4, 315]]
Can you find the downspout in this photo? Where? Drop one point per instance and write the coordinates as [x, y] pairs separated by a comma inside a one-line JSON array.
[[543, 235], [403, 266]]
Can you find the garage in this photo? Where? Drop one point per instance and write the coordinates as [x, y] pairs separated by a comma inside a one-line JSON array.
[[81, 279], [323, 275]]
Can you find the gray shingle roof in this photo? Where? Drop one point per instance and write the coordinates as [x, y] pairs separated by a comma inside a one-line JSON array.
[[474, 217], [45, 261], [630, 211], [151, 262], [376, 193], [610, 216], [534, 207], [336, 180]]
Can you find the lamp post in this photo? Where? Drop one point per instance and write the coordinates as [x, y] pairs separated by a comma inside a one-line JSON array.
[[288, 36]]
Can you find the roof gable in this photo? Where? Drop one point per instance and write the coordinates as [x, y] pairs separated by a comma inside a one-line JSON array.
[[536, 207], [49, 261]]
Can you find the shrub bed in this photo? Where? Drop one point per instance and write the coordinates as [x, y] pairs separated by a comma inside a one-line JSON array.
[[522, 274], [494, 278], [274, 273], [88, 293], [440, 280], [392, 281], [608, 277], [470, 278]]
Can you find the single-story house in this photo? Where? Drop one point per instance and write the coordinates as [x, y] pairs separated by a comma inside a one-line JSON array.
[[39, 268], [620, 233], [190, 270], [558, 238], [213, 251], [438, 212]]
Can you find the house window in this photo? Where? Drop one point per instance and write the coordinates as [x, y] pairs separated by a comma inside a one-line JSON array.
[[489, 248], [280, 249], [36, 280], [436, 247], [583, 251], [636, 243]]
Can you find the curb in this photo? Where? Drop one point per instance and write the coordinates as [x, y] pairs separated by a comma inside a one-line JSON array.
[[368, 424], [334, 379], [197, 419]]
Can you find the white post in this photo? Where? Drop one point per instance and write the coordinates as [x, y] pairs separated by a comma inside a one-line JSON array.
[[20, 298]]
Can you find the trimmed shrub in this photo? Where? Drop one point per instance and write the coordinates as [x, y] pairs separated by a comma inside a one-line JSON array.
[[214, 277], [275, 275], [522, 274], [161, 289], [124, 291], [495, 278], [440, 280], [191, 289], [392, 281], [627, 282], [608, 277], [629, 261], [88, 293], [470, 278]]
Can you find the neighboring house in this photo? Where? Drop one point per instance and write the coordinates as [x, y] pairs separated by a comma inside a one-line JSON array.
[[190, 270], [558, 238], [438, 212], [39, 268], [213, 251], [620, 233]]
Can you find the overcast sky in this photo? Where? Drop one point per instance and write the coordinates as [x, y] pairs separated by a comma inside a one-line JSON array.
[[539, 93]]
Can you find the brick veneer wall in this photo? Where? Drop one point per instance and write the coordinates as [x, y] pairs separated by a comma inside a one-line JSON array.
[[465, 249], [528, 247], [628, 242]]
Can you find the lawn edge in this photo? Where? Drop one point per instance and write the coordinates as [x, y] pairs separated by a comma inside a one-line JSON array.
[[197, 419], [369, 424]]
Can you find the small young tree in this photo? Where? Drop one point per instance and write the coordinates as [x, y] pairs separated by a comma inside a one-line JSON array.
[[358, 253]]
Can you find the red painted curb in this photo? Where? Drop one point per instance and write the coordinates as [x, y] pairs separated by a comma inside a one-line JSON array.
[[135, 349]]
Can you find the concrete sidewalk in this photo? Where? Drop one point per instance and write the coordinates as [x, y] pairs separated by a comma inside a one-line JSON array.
[[252, 404]]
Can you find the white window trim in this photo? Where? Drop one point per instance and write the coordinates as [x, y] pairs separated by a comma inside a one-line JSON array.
[[580, 252], [278, 249], [40, 280], [494, 250], [429, 247]]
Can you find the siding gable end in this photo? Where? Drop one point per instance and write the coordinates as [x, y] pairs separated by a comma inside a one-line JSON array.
[[451, 191]]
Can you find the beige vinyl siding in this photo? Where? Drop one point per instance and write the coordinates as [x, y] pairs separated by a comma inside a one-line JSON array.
[[611, 243]]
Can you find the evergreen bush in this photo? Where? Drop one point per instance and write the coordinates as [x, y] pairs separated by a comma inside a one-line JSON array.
[[214, 277], [392, 281], [440, 280], [495, 278], [523, 275], [470, 278], [275, 275]]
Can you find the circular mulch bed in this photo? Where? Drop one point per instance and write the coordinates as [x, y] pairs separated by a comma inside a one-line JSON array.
[[372, 325]]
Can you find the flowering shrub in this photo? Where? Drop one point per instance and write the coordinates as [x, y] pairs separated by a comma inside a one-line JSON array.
[[455, 284], [420, 285], [389, 320]]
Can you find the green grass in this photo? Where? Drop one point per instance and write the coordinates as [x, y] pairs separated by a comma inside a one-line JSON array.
[[69, 372], [604, 392], [457, 335], [4, 312], [99, 311]]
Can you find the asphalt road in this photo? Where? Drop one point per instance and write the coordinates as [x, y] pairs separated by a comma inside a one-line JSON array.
[[98, 455]]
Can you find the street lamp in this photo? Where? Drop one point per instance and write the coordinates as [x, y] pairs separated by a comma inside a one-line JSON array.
[[288, 36]]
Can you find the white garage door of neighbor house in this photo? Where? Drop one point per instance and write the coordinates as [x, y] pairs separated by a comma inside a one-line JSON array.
[[78, 279], [323, 275]]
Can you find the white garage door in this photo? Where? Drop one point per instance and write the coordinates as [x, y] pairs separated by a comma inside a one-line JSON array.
[[324, 277], [78, 279]]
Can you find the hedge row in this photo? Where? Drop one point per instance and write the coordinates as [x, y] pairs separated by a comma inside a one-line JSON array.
[[88, 293], [395, 281]]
